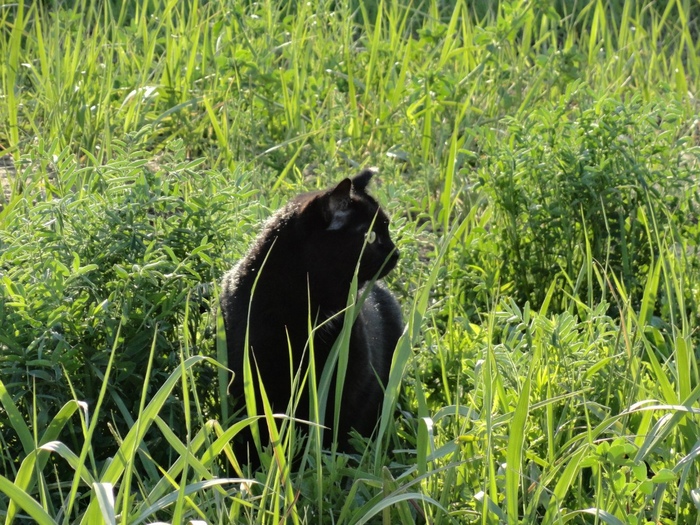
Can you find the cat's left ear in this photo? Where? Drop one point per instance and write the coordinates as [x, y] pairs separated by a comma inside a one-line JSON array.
[[338, 205], [361, 180]]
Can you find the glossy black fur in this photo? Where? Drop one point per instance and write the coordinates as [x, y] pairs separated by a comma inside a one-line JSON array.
[[312, 246]]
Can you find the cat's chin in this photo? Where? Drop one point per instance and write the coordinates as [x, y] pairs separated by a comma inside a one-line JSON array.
[[389, 265]]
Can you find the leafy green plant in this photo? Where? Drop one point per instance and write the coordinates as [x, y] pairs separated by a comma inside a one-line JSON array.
[[148, 237], [598, 183]]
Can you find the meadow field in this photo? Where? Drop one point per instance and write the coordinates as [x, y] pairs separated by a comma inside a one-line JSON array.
[[540, 162]]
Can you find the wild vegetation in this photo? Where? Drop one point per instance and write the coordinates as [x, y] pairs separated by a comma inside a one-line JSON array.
[[539, 161]]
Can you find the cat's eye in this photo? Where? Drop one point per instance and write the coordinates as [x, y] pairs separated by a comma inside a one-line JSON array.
[[371, 236]]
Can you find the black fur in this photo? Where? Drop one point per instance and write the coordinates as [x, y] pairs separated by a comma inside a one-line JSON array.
[[310, 249]]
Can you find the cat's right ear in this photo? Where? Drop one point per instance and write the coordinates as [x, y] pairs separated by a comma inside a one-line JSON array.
[[337, 205], [361, 180]]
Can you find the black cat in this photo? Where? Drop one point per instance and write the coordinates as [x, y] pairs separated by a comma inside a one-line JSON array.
[[304, 262]]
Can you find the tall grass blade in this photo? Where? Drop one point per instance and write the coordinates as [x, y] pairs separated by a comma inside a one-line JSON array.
[[395, 499], [116, 468], [516, 444], [105, 499], [35, 462], [569, 473], [223, 375], [11, 69], [25, 502], [16, 420], [164, 502]]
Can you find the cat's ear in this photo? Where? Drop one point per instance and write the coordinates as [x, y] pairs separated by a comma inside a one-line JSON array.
[[338, 204], [361, 180]]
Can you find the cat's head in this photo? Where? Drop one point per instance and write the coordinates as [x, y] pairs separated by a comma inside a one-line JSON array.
[[343, 222]]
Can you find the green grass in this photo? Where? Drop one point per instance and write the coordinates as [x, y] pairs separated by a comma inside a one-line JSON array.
[[539, 161]]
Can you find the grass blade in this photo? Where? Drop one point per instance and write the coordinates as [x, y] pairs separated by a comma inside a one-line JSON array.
[[25, 502]]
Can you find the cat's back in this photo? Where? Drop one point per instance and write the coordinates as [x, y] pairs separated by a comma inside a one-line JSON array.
[[234, 292], [237, 284]]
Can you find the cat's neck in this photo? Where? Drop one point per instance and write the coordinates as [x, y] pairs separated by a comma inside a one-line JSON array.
[[284, 281]]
